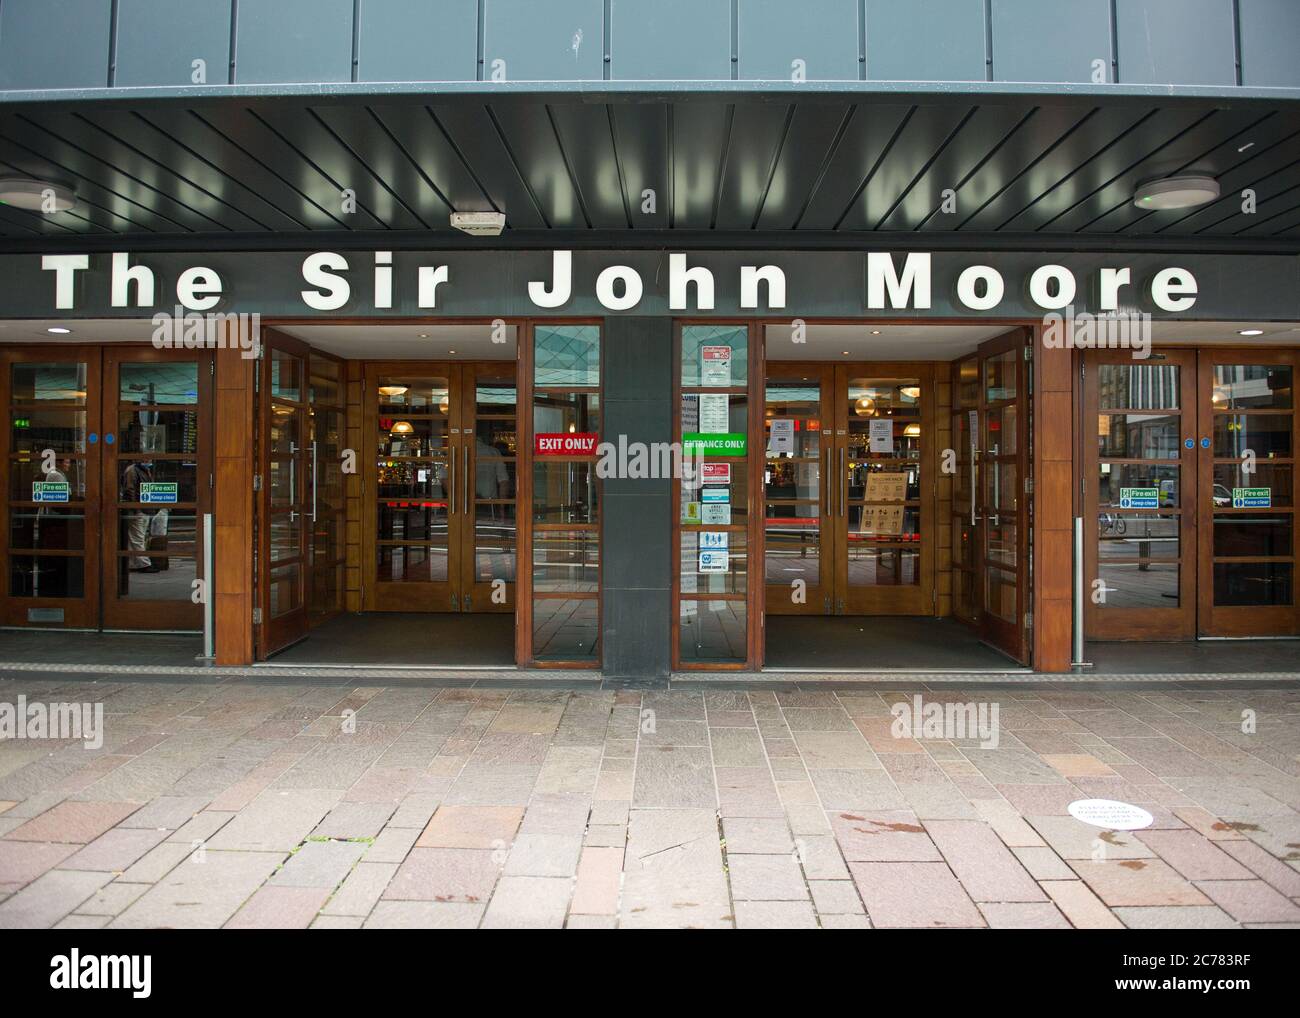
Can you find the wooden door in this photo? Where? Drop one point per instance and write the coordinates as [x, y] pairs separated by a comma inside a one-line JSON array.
[[799, 515], [157, 485], [1140, 505], [486, 523], [884, 481], [414, 486], [1246, 492], [1002, 504], [51, 506], [284, 512]]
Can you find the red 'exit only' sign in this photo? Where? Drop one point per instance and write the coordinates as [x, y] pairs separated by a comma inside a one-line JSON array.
[[565, 444]]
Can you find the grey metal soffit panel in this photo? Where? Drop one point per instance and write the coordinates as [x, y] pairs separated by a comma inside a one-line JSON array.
[[919, 167]]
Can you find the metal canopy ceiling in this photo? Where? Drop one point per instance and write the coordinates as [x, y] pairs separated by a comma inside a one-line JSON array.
[[830, 169]]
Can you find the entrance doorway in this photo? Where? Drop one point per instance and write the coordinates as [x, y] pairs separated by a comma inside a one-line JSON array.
[[1190, 478], [108, 473], [441, 518], [848, 481]]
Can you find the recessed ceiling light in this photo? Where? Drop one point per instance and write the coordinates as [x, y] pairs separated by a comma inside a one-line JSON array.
[[451, 351], [58, 330], [1250, 332], [424, 335], [875, 332], [845, 352], [36, 195], [1175, 192]]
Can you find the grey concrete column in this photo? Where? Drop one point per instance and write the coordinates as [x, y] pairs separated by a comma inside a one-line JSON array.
[[636, 516]]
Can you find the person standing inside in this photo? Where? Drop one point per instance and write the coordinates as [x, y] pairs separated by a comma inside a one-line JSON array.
[[137, 473]]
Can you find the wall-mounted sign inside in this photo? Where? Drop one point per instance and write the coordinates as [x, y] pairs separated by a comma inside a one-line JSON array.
[[49, 491]]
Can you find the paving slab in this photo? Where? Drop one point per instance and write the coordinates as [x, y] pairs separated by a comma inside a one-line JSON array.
[[201, 895], [913, 894]]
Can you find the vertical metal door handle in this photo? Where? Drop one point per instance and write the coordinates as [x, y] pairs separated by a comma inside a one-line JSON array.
[[465, 483], [293, 479], [314, 481], [974, 483], [451, 481], [844, 483]]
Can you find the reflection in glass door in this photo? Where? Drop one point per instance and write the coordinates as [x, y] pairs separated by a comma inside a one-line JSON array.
[[1139, 477], [798, 522], [284, 515], [1247, 493], [325, 441], [158, 471], [490, 455], [52, 487], [990, 510]]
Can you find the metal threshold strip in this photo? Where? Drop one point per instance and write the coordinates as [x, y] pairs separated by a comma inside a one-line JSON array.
[[377, 666]]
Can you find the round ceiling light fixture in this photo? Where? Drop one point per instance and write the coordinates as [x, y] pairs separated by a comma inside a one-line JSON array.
[[1250, 332], [58, 330], [36, 195], [1183, 192]]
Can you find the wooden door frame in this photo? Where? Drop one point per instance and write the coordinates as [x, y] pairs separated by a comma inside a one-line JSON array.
[[152, 615], [1239, 621], [911, 599], [820, 600], [274, 635], [1150, 624], [86, 609], [1012, 638]]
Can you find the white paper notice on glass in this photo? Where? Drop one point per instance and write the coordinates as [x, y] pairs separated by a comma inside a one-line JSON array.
[[714, 413], [882, 435], [782, 440], [715, 365], [716, 514]]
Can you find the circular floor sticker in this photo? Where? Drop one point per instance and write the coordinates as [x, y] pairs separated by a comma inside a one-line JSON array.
[[1113, 815]]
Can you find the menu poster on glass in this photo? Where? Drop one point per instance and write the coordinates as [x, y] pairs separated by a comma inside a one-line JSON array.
[[690, 412], [715, 366], [781, 441], [887, 486], [882, 435], [714, 413]]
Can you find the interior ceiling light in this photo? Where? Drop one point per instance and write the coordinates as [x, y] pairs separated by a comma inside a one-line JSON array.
[[1175, 192], [402, 428], [1250, 332], [36, 195], [865, 407], [58, 330], [912, 430], [392, 390], [911, 391], [479, 224]]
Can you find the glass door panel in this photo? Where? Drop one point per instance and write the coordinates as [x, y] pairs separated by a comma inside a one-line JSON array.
[[491, 455], [285, 512], [51, 500], [1247, 493], [885, 500], [158, 486], [798, 422], [1140, 516]]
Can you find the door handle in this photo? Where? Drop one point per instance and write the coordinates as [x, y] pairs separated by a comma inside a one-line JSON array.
[[465, 483], [844, 483], [451, 481], [314, 481]]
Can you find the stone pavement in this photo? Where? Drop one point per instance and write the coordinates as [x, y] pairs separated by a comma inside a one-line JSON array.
[[255, 804]]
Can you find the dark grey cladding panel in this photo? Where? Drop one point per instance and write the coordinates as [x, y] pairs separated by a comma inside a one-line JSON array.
[[822, 34], [1185, 42], [1037, 41], [819, 284], [416, 40], [940, 40], [559, 40], [293, 41], [54, 43], [670, 40], [635, 626], [1270, 34], [158, 42]]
